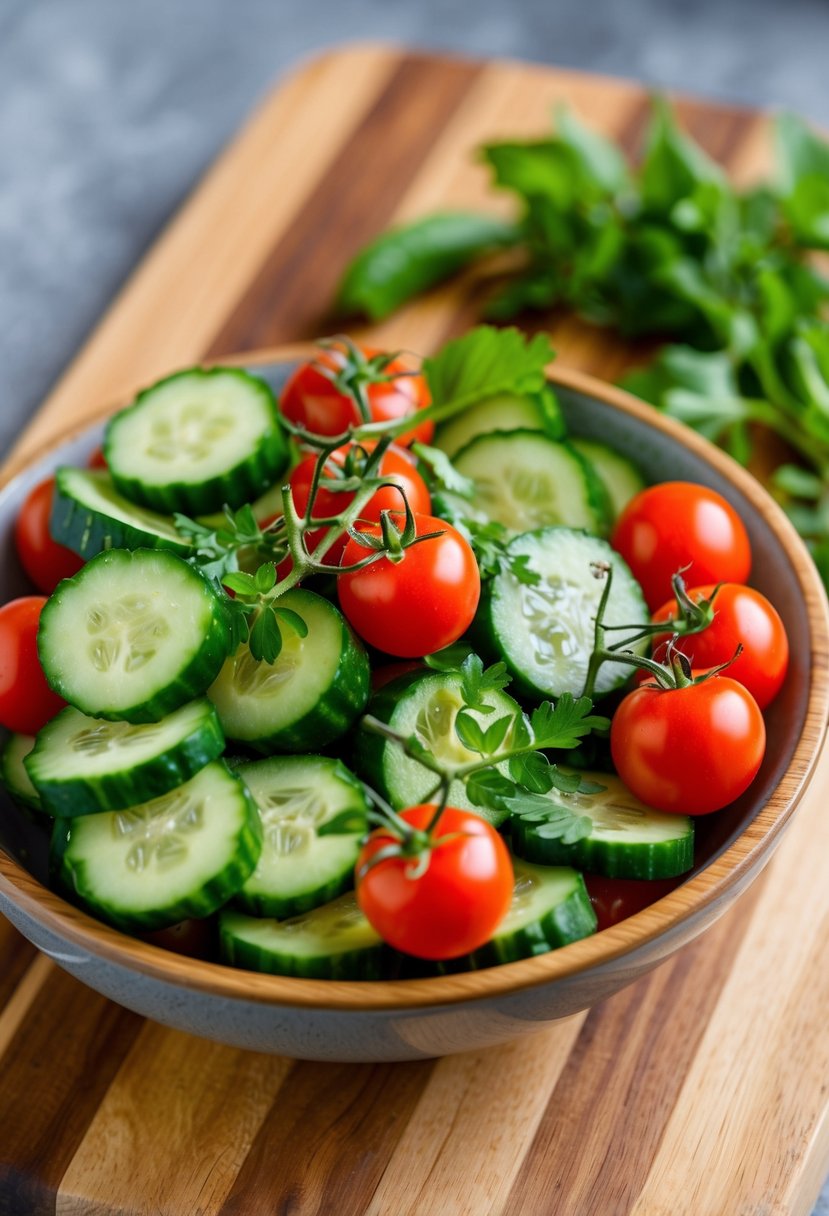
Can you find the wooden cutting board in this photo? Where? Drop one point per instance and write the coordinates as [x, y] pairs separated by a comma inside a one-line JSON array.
[[700, 1090]]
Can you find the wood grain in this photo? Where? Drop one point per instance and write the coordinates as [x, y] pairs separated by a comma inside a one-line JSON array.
[[701, 1090]]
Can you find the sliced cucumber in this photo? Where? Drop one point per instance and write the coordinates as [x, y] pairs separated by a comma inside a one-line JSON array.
[[504, 413], [620, 476], [424, 704], [544, 632], [13, 775], [81, 765], [88, 515], [197, 440], [133, 635], [627, 839], [524, 480], [333, 942], [550, 908], [310, 695], [179, 856], [298, 869]]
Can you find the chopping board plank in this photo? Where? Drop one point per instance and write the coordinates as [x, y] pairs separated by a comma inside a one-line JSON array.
[[699, 1090]]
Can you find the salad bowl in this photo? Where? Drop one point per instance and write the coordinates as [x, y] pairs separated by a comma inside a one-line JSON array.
[[411, 1019]]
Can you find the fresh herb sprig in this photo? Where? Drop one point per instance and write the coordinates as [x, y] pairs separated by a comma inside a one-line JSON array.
[[668, 249], [483, 363], [511, 771]]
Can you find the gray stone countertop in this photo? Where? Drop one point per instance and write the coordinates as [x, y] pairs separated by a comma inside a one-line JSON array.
[[110, 112]]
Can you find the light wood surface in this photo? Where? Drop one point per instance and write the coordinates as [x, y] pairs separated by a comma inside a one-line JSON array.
[[701, 1089]]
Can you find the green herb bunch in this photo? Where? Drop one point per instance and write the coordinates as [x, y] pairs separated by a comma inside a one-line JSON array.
[[668, 250]]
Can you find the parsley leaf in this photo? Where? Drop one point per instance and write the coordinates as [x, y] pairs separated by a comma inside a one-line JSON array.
[[484, 363], [562, 725], [476, 680]]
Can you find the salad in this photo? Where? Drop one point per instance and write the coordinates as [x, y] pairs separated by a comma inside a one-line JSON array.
[[387, 678]]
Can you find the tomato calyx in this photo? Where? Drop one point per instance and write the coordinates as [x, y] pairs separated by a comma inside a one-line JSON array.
[[675, 672], [352, 371]]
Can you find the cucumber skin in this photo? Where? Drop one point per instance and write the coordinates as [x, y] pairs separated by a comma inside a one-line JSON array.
[[365, 964], [88, 532], [235, 487], [191, 683], [668, 859], [345, 698], [8, 781], [212, 896], [369, 749], [570, 921], [484, 635], [282, 907], [141, 783]]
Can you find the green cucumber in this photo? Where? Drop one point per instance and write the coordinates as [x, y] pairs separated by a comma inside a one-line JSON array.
[[550, 908], [545, 632], [88, 515], [309, 696], [504, 413], [133, 635], [525, 480], [424, 704], [332, 942], [299, 869], [620, 476], [82, 765], [179, 856], [13, 775], [628, 839], [197, 440]]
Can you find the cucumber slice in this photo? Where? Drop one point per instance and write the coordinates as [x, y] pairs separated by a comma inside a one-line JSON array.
[[298, 869], [13, 775], [88, 515], [424, 704], [524, 480], [550, 908], [334, 942], [310, 695], [504, 413], [197, 440], [133, 635], [179, 856], [81, 765], [544, 633], [628, 839], [620, 476]]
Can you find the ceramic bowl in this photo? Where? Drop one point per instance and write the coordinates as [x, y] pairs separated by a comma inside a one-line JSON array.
[[314, 1019]]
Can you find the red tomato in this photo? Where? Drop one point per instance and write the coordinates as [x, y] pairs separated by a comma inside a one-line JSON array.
[[26, 701], [742, 615], [195, 938], [419, 604], [678, 524], [456, 904], [395, 463], [381, 676], [97, 460], [310, 400], [691, 750], [44, 560], [616, 899]]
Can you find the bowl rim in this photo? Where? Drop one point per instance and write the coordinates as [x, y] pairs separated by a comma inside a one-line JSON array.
[[703, 891]]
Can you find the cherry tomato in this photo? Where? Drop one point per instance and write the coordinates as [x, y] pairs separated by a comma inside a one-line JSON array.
[[44, 560], [419, 604], [395, 463], [691, 750], [26, 701], [97, 460], [742, 615], [678, 524], [615, 899], [383, 675], [310, 400], [195, 938], [459, 900]]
